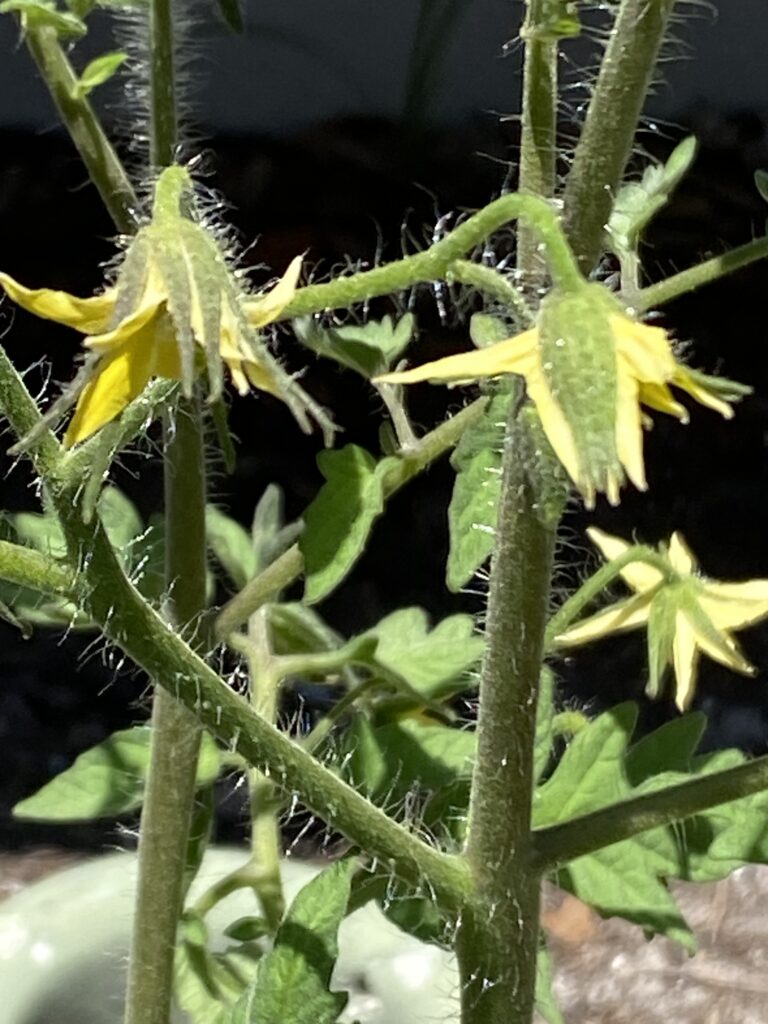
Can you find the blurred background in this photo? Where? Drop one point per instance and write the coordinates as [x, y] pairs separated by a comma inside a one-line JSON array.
[[346, 128]]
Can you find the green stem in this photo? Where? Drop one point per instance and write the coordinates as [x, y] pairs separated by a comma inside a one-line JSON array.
[[596, 584], [175, 745], [96, 152], [558, 844], [704, 273], [434, 263], [494, 285], [609, 130], [497, 940], [539, 135], [289, 566], [27, 568], [266, 846]]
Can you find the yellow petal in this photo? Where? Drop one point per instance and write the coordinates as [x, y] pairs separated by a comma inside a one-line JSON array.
[[638, 575], [558, 431], [646, 349], [735, 605], [702, 394], [658, 396], [120, 377], [618, 618], [514, 355], [263, 310], [629, 429], [90, 316], [130, 325], [680, 555], [685, 656], [716, 643]]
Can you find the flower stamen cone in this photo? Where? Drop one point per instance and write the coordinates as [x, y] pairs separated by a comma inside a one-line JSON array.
[[685, 613], [175, 307], [589, 369]]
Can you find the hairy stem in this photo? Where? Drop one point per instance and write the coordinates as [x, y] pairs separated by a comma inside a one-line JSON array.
[[609, 130], [497, 942], [103, 165], [175, 739]]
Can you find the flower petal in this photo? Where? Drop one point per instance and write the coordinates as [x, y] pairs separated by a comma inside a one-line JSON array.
[[640, 576], [735, 605], [703, 395], [263, 310], [514, 355], [680, 555], [716, 643], [629, 429], [558, 431], [685, 656], [646, 349], [90, 316], [120, 377], [659, 397], [617, 618]]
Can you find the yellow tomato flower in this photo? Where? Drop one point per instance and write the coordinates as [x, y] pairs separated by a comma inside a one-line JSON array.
[[589, 368], [175, 305], [685, 614]]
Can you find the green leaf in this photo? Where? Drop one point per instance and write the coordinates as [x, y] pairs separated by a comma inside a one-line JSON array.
[[297, 629], [121, 519], [485, 330], [368, 349], [667, 749], [434, 662], [271, 537], [247, 929], [41, 532], [638, 202], [623, 879], [107, 781], [232, 15], [339, 520], [38, 14], [99, 71], [474, 503], [546, 1004], [422, 770], [291, 985], [231, 546]]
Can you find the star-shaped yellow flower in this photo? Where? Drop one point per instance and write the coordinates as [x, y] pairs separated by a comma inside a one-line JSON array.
[[589, 368], [685, 614], [174, 307]]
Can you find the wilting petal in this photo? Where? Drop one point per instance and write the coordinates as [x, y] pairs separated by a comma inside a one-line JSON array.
[[90, 316], [263, 310], [735, 605], [618, 618], [638, 575], [685, 655], [515, 355]]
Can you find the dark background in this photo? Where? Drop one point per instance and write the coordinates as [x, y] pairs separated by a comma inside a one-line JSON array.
[[301, 123]]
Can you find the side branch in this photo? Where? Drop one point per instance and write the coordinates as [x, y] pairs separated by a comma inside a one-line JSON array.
[[557, 845]]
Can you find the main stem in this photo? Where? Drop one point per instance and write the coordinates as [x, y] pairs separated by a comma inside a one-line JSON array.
[[498, 936], [170, 794]]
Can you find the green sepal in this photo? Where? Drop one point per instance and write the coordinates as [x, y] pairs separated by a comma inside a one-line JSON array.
[[660, 635]]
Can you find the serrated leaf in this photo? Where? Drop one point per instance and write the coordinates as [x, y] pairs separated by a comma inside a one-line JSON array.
[[474, 503], [99, 71], [669, 748], [622, 879], [434, 662], [339, 520], [291, 984], [368, 349], [107, 781], [43, 14], [638, 202], [231, 545]]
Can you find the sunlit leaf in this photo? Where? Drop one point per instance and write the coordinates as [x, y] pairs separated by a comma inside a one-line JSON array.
[[231, 545], [106, 781], [292, 981], [99, 71], [339, 520]]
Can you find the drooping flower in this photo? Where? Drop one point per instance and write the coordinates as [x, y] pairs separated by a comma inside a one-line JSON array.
[[684, 612], [589, 368], [175, 307]]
